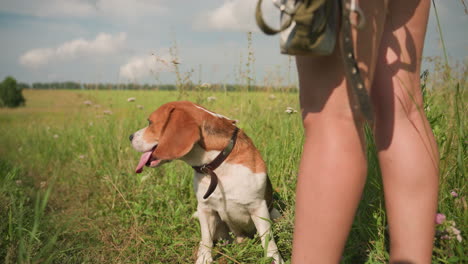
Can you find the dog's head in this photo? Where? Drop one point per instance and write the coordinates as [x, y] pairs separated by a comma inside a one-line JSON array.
[[172, 131]]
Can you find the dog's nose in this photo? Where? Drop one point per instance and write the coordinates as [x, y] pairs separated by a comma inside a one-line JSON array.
[[130, 137]]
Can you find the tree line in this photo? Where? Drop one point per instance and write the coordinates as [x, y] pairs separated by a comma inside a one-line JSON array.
[[135, 86]]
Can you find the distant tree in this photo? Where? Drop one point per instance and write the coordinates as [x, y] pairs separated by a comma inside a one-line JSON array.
[[23, 86], [10, 94]]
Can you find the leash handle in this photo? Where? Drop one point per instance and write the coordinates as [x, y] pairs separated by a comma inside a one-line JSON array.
[[265, 27]]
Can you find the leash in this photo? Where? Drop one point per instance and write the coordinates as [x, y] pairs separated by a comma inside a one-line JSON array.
[[214, 164], [354, 78], [305, 23]]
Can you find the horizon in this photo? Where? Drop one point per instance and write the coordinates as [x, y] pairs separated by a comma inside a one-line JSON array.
[[106, 41]]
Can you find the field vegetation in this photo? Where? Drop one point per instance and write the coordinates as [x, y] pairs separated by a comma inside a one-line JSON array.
[[69, 194]]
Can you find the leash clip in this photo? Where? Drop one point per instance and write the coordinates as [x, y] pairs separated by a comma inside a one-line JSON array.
[[361, 19], [286, 6], [205, 168]]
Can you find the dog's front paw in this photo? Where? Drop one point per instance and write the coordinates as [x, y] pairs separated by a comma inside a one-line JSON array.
[[277, 259], [205, 259], [204, 255]]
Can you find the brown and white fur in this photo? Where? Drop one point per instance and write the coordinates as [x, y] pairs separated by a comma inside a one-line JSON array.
[[242, 201]]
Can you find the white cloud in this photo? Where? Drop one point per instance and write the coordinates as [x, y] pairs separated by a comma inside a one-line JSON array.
[[66, 8], [236, 15], [49, 8], [103, 44], [144, 66], [128, 9]]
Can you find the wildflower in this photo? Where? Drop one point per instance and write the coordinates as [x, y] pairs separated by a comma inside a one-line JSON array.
[[440, 218], [272, 97], [131, 99], [445, 237], [43, 184], [454, 194], [224, 242], [290, 110], [144, 178], [107, 112], [455, 231], [205, 85], [211, 98], [91, 123], [56, 136], [139, 106], [97, 106], [82, 156], [18, 182], [88, 103]]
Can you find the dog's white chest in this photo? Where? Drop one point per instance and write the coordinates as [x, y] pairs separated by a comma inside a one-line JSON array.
[[239, 190]]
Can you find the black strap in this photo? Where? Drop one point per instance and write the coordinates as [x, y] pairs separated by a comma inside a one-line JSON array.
[[213, 165]]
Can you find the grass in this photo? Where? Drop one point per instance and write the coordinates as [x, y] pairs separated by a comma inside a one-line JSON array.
[[68, 193]]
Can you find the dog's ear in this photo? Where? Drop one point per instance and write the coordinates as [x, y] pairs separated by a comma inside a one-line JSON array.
[[179, 134]]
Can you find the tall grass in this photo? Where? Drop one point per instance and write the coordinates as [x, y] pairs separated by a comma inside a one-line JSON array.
[[70, 194]]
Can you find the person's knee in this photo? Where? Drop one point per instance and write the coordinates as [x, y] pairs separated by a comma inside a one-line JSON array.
[[389, 112]]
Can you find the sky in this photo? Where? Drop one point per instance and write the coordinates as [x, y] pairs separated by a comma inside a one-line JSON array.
[[114, 41]]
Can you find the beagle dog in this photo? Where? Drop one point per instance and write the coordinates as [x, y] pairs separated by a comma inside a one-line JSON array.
[[233, 190]]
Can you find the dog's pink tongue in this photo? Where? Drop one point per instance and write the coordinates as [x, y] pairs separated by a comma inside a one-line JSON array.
[[143, 160]]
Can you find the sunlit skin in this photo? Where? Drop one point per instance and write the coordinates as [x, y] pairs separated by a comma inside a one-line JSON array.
[[333, 168]]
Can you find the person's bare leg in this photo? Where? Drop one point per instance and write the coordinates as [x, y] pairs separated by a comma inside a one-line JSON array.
[[407, 150], [333, 165], [331, 177]]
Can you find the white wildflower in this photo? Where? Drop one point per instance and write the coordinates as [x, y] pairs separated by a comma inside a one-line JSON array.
[[139, 106], [43, 184], [211, 98], [131, 99], [144, 178], [88, 103], [290, 110], [205, 85], [56, 136], [455, 231], [107, 112], [272, 97]]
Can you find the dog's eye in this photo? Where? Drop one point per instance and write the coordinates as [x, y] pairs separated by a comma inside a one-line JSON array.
[[149, 122]]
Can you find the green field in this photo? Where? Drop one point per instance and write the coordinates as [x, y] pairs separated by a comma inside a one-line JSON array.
[[69, 194]]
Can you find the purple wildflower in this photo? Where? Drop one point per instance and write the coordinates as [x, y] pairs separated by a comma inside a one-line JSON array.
[[440, 218]]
